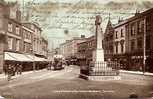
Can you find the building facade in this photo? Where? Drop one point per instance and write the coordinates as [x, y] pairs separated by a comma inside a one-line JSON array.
[[139, 29], [108, 42], [17, 39], [39, 43], [10, 27], [27, 39], [128, 41]]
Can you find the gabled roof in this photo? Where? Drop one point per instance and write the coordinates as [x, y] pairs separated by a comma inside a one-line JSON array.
[[109, 27]]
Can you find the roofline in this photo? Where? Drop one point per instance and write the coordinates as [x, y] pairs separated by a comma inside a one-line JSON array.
[[33, 24], [18, 22], [142, 14]]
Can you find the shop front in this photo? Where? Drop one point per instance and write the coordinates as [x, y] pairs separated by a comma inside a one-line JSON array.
[[27, 61], [135, 61]]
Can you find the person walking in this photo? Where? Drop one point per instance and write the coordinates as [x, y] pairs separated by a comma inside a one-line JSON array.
[[9, 72], [20, 69], [50, 65], [13, 70], [5, 68], [17, 69]]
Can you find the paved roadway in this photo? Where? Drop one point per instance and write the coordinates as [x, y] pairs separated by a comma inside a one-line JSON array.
[[65, 84]]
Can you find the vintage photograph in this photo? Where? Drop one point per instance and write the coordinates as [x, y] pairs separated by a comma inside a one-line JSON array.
[[76, 49]]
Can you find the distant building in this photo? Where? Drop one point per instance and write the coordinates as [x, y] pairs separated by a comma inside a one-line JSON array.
[[44, 47], [85, 50], [69, 48]]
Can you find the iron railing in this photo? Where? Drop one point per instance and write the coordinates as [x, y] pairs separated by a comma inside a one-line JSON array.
[[104, 69]]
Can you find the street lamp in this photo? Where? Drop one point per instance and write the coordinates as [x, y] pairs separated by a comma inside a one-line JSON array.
[[34, 66], [144, 49]]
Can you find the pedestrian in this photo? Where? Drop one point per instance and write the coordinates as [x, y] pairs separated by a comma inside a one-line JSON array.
[[9, 72], [5, 68], [20, 69], [47, 65], [13, 69], [17, 69], [51, 63]]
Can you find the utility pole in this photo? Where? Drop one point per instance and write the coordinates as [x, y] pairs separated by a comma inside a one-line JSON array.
[[33, 54], [22, 9], [144, 45]]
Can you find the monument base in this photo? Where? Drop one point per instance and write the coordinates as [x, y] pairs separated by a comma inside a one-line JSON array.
[[104, 78], [101, 71], [100, 78]]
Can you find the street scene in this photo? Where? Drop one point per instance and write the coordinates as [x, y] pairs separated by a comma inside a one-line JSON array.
[[76, 49]]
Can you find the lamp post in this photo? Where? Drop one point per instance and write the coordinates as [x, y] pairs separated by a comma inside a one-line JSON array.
[[144, 44], [33, 64]]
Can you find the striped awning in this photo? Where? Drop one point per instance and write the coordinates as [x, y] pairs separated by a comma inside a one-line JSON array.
[[16, 57], [36, 59], [9, 57]]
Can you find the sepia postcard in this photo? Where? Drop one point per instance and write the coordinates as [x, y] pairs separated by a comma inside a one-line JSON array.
[[76, 49]]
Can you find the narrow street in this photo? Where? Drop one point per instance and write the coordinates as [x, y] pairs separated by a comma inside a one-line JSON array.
[[65, 84]]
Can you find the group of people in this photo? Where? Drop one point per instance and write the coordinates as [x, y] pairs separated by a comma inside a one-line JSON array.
[[12, 70]]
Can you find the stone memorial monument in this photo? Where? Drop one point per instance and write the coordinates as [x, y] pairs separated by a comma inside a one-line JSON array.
[[100, 68], [98, 54]]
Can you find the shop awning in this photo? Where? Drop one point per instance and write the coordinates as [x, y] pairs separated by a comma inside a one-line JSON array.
[[8, 57], [19, 57], [36, 59]]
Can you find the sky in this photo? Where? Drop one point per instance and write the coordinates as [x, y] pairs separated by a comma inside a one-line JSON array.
[[77, 16]]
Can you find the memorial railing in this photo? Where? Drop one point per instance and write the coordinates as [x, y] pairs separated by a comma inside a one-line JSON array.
[[103, 69]]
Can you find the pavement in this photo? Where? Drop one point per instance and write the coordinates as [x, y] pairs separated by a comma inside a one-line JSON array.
[[137, 72], [65, 84]]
